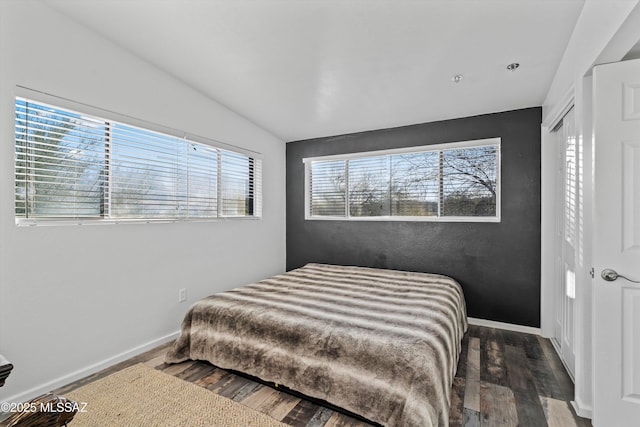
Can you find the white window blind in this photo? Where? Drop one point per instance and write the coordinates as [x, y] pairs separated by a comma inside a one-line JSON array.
[[369, 186], [147, 174], [328, 184], [238, 184], [570, 182], [457, 181], [59, 164], [71, 165], [202, 181]]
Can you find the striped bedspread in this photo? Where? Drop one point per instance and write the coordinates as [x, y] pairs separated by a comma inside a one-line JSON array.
[[383, 344]]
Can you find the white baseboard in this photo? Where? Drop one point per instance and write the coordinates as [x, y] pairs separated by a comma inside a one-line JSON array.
[[88, 370], [584, 411], [501, 325]]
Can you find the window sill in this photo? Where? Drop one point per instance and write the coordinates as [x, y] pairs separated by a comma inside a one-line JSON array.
[[20, 222], [406, 219]]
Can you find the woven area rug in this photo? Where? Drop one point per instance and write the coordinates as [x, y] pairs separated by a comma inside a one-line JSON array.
[[141, 396]]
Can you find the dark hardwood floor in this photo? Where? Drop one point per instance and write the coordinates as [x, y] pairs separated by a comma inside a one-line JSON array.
[[504, 379]]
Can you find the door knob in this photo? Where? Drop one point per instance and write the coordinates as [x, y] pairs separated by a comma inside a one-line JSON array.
[[610, 275]]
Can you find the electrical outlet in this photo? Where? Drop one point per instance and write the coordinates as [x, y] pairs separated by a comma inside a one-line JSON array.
[[182, 295]]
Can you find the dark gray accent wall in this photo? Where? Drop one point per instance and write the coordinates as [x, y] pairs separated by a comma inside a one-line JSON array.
[[497, 264]]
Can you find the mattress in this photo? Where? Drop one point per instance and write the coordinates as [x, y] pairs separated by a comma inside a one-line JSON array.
[[383, 344]]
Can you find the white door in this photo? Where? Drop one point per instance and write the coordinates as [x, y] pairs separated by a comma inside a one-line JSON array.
[[566, 235], [616, 339]]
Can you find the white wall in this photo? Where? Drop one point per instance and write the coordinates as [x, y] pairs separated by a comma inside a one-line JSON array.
[[75, 298], [604, 32]]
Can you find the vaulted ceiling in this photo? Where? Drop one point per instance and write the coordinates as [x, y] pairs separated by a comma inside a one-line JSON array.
[[310, 68]]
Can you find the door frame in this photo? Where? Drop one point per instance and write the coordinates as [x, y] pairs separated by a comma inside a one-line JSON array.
[[548, 208]]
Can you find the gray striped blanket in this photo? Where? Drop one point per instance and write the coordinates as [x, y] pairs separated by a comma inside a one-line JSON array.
[[383, 344]]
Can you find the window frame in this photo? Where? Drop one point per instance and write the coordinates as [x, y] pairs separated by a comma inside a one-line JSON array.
[[110, 116], [496, 141]]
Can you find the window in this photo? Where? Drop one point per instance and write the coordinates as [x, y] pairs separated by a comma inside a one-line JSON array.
[[447, 182], [70, 165]]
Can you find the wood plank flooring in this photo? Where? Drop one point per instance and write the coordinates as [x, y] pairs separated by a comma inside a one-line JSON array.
[[504, 379]]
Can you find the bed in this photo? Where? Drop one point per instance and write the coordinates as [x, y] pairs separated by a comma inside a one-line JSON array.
[[383, 344]]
